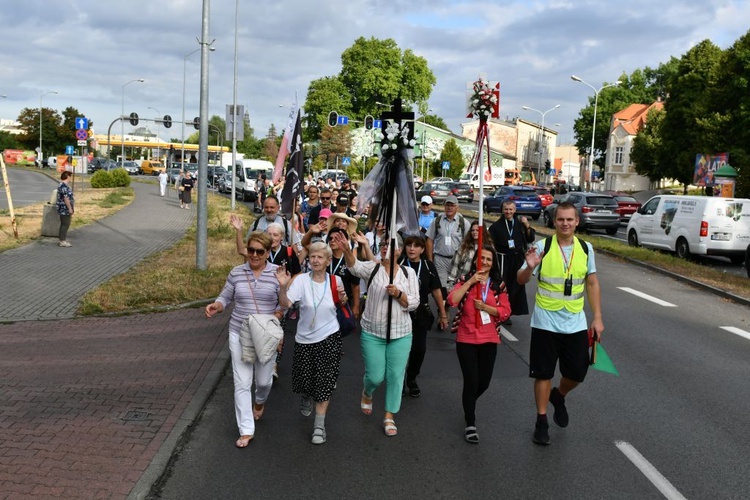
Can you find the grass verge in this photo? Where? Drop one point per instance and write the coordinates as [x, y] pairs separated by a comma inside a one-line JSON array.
[[170, 277]]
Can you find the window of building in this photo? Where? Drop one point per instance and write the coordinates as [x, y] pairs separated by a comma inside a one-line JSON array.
[[618, 155]]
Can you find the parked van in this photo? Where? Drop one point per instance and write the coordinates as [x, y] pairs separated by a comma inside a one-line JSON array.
[[700, 225], [152, 167], [496, 180], [246, 173]]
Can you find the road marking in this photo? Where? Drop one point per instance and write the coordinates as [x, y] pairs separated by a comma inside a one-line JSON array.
[[736, 331], [507, 334], [648, 470], [646, 296]]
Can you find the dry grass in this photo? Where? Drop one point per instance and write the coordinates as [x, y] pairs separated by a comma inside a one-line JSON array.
[[91, 205], [170, 277]]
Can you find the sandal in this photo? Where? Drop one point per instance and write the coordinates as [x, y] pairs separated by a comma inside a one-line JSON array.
[[243, 441], [258, 410], [389, 427], [366, 404], [319, 435], [471, 435]]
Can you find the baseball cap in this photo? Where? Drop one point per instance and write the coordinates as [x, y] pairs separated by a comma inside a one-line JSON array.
[[452, 199], [325, 213], [346, 181], [343, 199], [427, 199]]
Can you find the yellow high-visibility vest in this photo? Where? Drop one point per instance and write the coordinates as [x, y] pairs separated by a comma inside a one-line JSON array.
[[550, 293]]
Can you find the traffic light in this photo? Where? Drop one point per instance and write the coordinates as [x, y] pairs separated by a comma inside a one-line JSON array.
[[167, 121], [369, 121], [134, 119], [333, 119], [197, 122], [547, 165]]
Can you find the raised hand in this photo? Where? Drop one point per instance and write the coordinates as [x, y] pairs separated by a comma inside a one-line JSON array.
[[236, 222]]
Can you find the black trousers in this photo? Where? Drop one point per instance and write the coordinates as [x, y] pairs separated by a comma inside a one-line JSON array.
[[477, 364], [418, 350], [64, 225]]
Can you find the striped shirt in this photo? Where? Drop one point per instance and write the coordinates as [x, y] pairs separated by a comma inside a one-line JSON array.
[[375, 315], [241, 286]]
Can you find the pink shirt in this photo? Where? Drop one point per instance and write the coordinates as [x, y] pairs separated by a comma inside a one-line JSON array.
[[468, 332]]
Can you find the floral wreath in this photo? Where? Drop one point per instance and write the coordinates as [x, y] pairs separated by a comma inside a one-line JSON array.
[[396, 137], [483, 100]]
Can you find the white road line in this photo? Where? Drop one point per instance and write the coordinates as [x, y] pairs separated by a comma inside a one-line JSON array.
[[646, 296], [507, 334], [648, 470], [736, 331]]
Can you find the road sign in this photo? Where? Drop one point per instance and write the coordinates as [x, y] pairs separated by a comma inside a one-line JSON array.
[[167, 121], [81, 143], [82, 123], [69, 150], [446, 165], [377, 124], [346, 161], [134, 119], [81, 134], [342, 120]]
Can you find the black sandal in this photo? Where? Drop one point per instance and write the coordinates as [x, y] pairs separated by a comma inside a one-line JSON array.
[[471, 435]]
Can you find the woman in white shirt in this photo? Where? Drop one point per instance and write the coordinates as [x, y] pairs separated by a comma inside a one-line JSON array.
[[317, 346], [385, 351]]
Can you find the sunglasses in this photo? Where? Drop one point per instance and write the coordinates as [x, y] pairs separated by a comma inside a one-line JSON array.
[[325, 197], [425, 204], [255, 251]]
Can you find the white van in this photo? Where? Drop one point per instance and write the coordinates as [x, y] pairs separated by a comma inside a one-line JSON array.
[[700, 225], [497, 179], [246, 173]]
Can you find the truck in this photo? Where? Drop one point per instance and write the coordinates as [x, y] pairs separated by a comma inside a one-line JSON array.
[[246, 174], [490, 182], [518, 177]]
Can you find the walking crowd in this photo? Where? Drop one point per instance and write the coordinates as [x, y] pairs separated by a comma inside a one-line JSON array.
[[328, 272]]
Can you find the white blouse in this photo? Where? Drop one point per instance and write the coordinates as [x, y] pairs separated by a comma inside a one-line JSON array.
[[317, 312]]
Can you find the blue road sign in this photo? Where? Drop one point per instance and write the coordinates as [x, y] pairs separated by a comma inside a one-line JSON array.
[[377, 124], [446, 165], [343, 120], [346, 161], [69, 150], [82, 123]]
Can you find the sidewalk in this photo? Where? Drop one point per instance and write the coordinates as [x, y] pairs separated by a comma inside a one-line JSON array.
[[93, 407]]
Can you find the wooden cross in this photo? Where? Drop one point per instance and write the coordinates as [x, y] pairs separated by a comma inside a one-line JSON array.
[[396, 114]]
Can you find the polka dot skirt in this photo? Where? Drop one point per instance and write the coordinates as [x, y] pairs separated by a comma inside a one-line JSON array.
[[315, 367]]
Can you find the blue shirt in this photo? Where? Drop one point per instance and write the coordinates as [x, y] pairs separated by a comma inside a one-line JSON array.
[[426, 220], [562, 321], [64, 191]]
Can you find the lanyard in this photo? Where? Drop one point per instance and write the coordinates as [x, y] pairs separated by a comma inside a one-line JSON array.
[[567, 264], [486, 291], [334, 269], [510, 228], [272, 256], [322, 296], [419, 271]]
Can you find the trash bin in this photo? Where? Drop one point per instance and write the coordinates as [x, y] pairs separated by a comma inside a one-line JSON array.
[[50, 221]]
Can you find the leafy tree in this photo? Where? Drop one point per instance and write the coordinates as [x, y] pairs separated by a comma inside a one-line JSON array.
[[452, 153], [683, 133], [323, 96], [647, 151], [435, 121], [53, 142], [68, 125], [335, 141], [9, 141], [270, 145]]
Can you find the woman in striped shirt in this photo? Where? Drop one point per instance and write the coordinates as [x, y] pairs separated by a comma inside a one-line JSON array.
[[254, 290]]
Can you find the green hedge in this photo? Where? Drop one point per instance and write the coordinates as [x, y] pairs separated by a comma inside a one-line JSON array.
[[116, 178]]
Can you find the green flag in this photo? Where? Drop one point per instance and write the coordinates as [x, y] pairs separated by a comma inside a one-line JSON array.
[[603, 362]]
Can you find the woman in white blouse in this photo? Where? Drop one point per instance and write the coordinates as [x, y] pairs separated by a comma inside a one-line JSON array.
[[385, 351]]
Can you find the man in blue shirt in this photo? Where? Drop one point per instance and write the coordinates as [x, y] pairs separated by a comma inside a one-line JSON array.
[[426, 215]]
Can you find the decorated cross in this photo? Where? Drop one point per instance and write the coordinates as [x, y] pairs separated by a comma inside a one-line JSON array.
[[402, 119]]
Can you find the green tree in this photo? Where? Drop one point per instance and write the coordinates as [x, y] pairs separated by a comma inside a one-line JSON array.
[[53, 142], [270, 145], [9, 141], [683, 132], [435, 121], [647, 152], [335, 142], [323, 96], [452, 153]]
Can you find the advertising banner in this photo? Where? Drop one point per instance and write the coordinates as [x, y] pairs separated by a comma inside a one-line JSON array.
[[706, 165], [19, 157]]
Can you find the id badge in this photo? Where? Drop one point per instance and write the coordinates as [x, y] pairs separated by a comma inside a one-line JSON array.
[[448, 241], [511, 244], [568, 287], [486, 319]]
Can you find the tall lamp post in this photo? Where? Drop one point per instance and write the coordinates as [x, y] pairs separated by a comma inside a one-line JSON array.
[[122, 117], [41, 155], [424, 141], [158, 130], [593, 126], [542, 141], [184, 78]]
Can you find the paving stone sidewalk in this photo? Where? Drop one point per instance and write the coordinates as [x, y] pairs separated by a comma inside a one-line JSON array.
[[43, 281]]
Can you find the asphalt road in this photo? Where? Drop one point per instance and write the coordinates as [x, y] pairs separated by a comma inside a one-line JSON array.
[[677, 412], [26, 188]]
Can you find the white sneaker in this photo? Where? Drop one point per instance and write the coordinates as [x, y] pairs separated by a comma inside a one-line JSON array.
[[64, 244]]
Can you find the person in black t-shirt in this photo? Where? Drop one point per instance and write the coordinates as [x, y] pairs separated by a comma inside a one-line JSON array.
[[338, 267]]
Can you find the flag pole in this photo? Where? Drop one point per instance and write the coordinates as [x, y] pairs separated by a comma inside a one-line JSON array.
[[482, 126], [391, 259]]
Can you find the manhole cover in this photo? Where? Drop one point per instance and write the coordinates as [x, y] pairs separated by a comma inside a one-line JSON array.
[[135, 416]]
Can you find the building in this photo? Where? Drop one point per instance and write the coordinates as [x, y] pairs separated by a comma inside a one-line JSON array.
[[567, 164], [10, 126], [619, 170]]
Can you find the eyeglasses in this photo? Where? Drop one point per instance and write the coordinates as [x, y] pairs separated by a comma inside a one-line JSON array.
[[324, 198], [255, 251], [383, 244], [449, 204], [425, 204]]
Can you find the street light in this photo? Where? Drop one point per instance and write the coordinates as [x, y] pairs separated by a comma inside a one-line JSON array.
[[41, 155], [122, 118], [424, 141], [158, 130], [184, 77], [593, 127], [541, 138], [384, 104]]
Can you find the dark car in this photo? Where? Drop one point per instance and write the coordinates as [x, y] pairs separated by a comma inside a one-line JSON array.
[[461, 190], [526, 200], [437, 190], [173, 174], [628, 205], [99, 163], [224, 183], [595, 211], [215, 172]]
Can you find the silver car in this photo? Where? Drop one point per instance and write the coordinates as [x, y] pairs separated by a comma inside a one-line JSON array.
[[131, 167]]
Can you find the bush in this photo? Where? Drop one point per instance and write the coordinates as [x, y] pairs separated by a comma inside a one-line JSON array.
[[102, 179], [120, 178]]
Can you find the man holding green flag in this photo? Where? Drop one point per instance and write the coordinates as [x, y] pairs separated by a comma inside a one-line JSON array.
[[566, 269]]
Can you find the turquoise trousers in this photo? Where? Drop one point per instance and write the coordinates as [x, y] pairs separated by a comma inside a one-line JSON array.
[[385, 362]]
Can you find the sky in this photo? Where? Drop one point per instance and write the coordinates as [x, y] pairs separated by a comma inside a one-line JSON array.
[[88, 51]]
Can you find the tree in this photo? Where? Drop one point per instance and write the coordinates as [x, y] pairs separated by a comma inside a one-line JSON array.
[[435, 121], [53, 141], [647, 149], [270, 146], [9, 141], [335, 142], [323, 96], [452, 153]]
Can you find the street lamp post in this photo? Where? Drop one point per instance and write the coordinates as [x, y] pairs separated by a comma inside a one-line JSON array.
[[593, 126], [41, 155], [158, 130], [184, 78], [542, 141], [122, 118], [424, 141]]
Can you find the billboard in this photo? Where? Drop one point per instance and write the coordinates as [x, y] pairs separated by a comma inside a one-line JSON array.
[[19, 157], [706, 166]]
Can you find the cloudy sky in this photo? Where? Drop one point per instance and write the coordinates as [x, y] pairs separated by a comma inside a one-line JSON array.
[[87, 50]]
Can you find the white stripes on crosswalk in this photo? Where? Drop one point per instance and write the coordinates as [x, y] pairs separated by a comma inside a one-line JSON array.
[[646, 296], [509, 336], [648, 470]]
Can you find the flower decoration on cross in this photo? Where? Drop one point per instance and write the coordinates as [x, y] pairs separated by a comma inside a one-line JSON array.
[[483, 100], [396, 137]]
